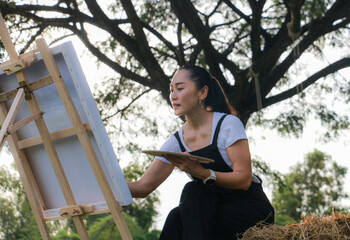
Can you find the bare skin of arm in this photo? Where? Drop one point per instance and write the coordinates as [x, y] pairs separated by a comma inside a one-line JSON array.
[[153, 177]]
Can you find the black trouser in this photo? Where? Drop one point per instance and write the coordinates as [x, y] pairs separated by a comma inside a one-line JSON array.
[[207, 213]]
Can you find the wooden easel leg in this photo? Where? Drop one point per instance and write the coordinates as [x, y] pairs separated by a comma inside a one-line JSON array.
[[11, 116], [83, 138], [55, 161], [44, 133], [25, 173]]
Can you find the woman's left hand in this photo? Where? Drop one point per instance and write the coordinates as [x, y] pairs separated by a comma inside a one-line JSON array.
[[189, 166]]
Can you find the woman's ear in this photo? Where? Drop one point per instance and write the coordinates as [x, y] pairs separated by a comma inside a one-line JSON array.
[[203, 93]]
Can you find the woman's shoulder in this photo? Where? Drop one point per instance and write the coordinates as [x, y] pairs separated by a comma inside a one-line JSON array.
[[230, 119], [171, 144], [231, 130]]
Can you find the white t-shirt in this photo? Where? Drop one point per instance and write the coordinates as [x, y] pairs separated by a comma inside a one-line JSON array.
[[231, 130]]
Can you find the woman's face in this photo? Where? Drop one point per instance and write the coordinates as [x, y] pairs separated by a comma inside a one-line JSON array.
[[184, 94]]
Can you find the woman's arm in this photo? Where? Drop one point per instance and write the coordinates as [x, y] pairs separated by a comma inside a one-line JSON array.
[[239, 179], [153, 177], [241, 176]]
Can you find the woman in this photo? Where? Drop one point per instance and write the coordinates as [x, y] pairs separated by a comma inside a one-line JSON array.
[[225, 198]]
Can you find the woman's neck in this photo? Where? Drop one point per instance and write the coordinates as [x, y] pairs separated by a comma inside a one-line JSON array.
[[199, 119]]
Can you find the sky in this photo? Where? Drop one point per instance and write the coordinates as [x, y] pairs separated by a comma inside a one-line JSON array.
[[279, 152]]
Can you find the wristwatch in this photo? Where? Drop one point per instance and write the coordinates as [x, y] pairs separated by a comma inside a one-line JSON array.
[[210, 181]]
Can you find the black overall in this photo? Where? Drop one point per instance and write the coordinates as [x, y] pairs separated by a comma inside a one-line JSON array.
[[212, 212]]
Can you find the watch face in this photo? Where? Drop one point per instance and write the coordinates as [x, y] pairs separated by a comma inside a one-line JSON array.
[[210, 182]]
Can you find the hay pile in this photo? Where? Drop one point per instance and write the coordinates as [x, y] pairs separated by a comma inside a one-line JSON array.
[[332, 227]]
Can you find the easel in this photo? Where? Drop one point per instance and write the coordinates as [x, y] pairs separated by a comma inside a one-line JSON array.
[[16, 65]]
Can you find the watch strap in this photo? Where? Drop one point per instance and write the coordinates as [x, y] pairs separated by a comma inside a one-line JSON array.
[[211, 179]]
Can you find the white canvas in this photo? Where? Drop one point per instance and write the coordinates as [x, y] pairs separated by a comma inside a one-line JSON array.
[[76, 165]]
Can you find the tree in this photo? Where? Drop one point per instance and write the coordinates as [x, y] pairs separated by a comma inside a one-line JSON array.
[[314, 187], [143, 210], [104, 228], [16, 218], [251, 47]]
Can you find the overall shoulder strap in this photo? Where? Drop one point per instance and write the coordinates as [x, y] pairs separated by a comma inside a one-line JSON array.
[[217, 130], [179, 140]]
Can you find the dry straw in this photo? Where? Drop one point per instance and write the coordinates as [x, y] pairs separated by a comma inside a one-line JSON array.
[[330, 227]]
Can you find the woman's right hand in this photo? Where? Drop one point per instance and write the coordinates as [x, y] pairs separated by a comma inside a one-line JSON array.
[[155, 175]]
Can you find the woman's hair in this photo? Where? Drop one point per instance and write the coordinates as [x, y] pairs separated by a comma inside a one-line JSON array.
[[216, 100]]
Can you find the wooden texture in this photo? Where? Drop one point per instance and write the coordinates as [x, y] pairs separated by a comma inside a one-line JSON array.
[[43, 82], [27, 178], [16, 66], [13, 66], [45, 135], [83, 138], [71, 211], [88, 209], [24, 122], [11, 116], [68, 132], [24, 61], [19, 156]]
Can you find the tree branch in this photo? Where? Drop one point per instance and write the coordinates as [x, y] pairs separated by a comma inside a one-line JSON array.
[[255, 24], [237, 11], [102, 21], [102, 57], [138, 46], [41, 8], [343, 63], [127, 106], [229, 3], [65, 23], [317, 28], [294, 7], [215, 8], [194, 55], [31, 40], [160, 37], [136, 25], [181, 55], [185, 10]]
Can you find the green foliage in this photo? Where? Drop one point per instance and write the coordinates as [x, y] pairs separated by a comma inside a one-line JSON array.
[[314, 9], [63, 235], [105, 229], [2, 51], [262, 169], [332, 121], [143, 210], [289, 121], [314, 187], [16, 219], [8, 219], [159, 15]]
